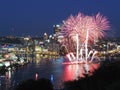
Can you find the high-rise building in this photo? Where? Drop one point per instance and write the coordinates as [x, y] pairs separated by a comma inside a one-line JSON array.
[[45, 36], [57, 29], [57, 33]]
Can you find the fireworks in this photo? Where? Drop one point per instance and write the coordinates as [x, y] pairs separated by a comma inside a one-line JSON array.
[[80, 24], [79, 31]]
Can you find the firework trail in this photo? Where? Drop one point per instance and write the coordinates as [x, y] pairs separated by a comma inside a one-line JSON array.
[[79, 24]]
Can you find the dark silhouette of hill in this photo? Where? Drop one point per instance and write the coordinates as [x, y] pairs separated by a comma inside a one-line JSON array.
[[40, 84]]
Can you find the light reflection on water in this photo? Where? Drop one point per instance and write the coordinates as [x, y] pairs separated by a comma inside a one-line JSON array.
[[76, 71], [73, 72], [50, 69]]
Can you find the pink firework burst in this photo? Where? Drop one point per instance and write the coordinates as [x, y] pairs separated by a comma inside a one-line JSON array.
[[80, 24], [101, 24]]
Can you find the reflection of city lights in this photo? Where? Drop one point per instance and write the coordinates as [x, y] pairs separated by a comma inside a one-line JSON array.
[[8, 74], [6, 56], [36, 76]]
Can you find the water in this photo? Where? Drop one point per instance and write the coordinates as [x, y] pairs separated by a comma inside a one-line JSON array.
[[53, 70]]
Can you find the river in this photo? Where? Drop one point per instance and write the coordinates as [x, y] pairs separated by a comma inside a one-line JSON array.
[[50, 69]]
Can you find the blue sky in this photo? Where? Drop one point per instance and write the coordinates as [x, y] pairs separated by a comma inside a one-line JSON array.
[[34, 17]]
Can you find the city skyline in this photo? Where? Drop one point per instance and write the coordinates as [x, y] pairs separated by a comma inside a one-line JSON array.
[[35, 17]]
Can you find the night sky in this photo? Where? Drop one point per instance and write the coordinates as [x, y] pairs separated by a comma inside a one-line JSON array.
[[34, 17]]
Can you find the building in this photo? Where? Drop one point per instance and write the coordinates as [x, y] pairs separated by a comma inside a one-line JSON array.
[[57, 29]]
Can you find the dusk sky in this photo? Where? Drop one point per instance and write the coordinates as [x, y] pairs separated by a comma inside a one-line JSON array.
[[34, 17]]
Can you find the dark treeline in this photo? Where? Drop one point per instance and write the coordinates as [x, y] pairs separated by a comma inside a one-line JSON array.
[[40, 84]]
